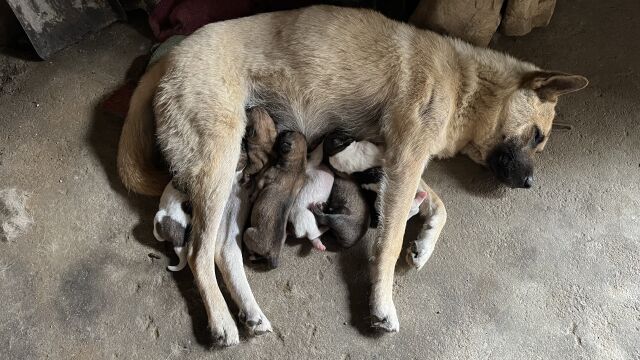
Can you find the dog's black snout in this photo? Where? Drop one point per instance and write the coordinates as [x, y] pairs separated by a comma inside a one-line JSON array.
[[512, 165]]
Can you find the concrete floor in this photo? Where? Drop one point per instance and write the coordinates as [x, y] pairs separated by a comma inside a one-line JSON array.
[[547, 273]]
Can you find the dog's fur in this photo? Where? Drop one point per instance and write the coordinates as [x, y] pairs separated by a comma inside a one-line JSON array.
[[276, 190], [318, 69]]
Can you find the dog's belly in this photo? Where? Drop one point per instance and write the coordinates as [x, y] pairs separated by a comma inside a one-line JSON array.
[[315, 114]]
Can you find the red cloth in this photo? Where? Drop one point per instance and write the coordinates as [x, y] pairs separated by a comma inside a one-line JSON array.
[[182, 17]]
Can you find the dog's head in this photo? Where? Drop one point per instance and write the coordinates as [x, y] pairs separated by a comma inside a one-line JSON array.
[[506, 144]]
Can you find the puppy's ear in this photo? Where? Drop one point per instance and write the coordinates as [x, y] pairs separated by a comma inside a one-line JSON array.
[[550, 85]]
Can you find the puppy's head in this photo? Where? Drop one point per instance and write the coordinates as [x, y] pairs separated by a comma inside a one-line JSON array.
[[335, 142], [262, 129], [506, 144], [264, 251], [291, 147]]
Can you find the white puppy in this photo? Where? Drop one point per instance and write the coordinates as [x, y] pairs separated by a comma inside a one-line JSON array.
[[317, 188]]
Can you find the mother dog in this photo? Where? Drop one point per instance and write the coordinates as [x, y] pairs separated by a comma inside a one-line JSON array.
[[420, 94]]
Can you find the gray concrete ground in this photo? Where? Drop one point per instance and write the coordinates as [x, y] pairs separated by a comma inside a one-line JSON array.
[[547, 273]]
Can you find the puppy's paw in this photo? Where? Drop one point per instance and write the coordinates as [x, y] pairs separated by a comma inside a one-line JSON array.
[[225, 332], [318, 245], [318, 208], [257, 323], [418, 254], [384, 318]]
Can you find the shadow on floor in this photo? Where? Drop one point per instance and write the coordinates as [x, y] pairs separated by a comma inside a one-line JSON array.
[[103, 140]]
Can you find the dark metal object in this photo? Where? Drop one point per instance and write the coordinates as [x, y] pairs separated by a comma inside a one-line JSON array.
[[54, 24]]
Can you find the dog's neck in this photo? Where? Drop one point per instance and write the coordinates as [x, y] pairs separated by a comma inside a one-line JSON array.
[[486, 78]]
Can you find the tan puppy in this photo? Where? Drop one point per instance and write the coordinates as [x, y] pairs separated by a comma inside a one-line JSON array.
[[317, 69], [260, 138], [276, 190]]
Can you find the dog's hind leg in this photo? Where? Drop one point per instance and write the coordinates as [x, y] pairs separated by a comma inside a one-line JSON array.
[[209, 178], [231, 266], [435, 216]]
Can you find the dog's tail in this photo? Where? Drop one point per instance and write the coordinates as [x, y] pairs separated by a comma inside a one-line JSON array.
[[137, 141]]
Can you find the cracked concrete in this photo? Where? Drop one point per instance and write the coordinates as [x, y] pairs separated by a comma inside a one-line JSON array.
[[547, 273]]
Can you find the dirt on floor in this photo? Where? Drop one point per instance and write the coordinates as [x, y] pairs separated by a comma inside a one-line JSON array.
[[547, 273]]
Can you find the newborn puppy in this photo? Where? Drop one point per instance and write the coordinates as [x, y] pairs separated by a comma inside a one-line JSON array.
[[276, 191], [347, 213], [316, 188], [171, 223], [260, 136]]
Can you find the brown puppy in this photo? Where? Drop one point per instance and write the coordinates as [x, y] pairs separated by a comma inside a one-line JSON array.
[[276, 191], [261, 134]]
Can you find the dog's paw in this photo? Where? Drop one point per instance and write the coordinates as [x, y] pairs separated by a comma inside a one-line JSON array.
[[385, 318], [225, 332], [385, 322], [417, 255], [257, 323]]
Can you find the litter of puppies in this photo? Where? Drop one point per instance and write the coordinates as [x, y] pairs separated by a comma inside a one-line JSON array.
[[332, 188]]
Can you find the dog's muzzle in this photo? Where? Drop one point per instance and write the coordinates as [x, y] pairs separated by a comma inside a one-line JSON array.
[[512, 165]]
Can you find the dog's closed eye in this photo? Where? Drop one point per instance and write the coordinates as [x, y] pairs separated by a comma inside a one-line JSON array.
[[538, 137]]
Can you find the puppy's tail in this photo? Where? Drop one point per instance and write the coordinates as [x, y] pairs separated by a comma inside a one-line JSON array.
[[137, 141]]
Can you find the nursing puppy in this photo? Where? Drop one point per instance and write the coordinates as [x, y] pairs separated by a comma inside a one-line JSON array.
[[260, 137], [348, 213], [276, 191], [316, 189], [320, 68]]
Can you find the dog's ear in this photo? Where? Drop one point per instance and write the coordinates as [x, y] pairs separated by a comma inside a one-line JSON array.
[[550, 85]]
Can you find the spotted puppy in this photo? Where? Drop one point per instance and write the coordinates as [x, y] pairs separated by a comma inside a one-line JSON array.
[[276, 191], [172, 222]]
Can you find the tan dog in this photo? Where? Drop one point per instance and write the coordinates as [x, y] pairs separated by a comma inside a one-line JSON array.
[[318, 69], [276, 190]]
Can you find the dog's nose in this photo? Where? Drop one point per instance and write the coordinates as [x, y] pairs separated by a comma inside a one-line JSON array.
[[528, 182]]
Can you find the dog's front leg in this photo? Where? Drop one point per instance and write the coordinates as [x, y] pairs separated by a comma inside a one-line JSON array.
[[435, 216], [405, 162]]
